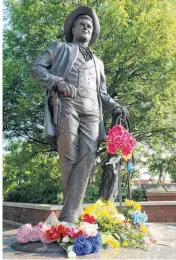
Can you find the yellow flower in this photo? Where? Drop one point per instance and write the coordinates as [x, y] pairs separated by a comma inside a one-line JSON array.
[[117, 221], [91, 209], [101, 202], [106, 226], [127, 157], [128, 220], [103, 213], [111, 205], [113, 243], [135, 205], [109, 240], [106, 207], [124, 243], [143, 229]]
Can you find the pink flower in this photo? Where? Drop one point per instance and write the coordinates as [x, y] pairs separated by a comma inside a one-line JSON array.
[[27, 233], [23, 233], [75, 232], [111, 148], [119, 139]]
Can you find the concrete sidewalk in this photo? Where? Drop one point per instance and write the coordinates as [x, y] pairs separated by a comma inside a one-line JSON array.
[[165, 234]]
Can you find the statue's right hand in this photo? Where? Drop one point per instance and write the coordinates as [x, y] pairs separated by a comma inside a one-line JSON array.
[[66, 89]]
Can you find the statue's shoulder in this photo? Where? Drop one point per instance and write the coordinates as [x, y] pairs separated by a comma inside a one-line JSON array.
[[97, 60], [58, 45], [55, 45]]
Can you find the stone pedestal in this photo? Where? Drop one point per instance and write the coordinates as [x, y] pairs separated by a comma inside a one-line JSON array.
[[39, 247]]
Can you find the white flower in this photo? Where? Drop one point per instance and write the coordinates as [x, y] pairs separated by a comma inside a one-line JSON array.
[[120, 216], [71, 254], [88, 229], [70, 248], [66, 239]]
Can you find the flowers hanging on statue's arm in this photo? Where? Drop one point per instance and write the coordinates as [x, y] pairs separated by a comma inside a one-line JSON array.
[[119, 141]]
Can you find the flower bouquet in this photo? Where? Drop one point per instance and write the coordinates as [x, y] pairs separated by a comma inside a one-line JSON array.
[[120, 141], [80, 238], [100, 226], [125, 230]]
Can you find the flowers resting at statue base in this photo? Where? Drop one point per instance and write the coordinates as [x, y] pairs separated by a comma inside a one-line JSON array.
[[100, 226]]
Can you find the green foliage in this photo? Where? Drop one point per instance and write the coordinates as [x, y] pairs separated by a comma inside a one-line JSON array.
[[137, 45], [92, 192], [31, 175], [138, 194]]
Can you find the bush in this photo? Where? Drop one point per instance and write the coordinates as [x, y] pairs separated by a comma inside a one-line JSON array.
[[138, 194], [31, 177]]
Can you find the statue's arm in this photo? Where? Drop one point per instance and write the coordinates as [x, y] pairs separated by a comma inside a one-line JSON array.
[[108, 102], [39, 70]]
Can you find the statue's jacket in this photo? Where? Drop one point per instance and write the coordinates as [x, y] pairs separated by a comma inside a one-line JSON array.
[[57, 61]]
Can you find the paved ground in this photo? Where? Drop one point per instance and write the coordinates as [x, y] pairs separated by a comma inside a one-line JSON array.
[[165, 249]]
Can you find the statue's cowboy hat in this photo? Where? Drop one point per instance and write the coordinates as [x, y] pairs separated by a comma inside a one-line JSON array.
[[81, 10]]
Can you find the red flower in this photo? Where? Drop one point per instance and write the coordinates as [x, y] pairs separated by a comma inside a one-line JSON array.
[[48, 234], [64, 231], [89, 219], [56, 232], [77, 234], [52, 233], [125, 222]]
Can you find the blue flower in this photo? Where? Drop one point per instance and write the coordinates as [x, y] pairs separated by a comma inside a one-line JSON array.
[[96, 243], [82, 246], [85, 246], [138, 217]]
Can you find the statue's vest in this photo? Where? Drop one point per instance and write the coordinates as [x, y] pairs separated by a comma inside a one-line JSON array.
[[83, 77]]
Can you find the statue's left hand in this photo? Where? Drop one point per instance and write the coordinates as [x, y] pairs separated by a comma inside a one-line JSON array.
[[120, 110]]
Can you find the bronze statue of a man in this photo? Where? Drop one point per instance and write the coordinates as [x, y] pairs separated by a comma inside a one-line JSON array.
[[75, 82]]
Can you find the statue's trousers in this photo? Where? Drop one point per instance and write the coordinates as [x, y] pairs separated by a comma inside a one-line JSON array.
[[77, 145]]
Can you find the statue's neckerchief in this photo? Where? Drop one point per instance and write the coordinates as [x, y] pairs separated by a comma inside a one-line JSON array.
[[87, 54]]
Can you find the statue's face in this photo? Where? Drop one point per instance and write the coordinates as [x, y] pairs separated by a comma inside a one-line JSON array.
[[82, 30]]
